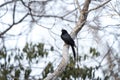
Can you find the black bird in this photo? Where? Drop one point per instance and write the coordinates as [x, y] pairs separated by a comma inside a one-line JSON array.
[[68, 40]]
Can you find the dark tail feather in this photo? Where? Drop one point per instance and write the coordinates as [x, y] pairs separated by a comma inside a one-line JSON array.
[[73, 51]]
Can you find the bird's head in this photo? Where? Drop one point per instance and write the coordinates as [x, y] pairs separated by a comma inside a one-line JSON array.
[[64, 31]]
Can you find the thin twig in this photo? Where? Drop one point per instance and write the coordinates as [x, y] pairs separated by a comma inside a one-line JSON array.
[[14, 12], [99, 6], [76, 1]]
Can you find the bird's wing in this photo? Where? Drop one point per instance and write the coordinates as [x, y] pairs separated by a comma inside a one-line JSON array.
[[67, 39]]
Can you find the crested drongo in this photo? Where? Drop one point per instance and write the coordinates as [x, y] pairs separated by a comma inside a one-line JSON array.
[[68, 40]]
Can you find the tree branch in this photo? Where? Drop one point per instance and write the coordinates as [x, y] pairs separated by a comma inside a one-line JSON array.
[[14, 8], [61, 67], [99, 6], [82, 19], [2, 33], [8, 2]]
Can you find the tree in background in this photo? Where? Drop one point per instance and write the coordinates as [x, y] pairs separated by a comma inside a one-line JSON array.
[[94, 22]]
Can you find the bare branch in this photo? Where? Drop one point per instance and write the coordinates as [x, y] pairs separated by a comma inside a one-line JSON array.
[[82, 19], [53, 16], [69, 12], [22, 18], [61, 66], [6, 3], [107, 52], [99, 6], [14, 12], [78, 5], [2, 33]]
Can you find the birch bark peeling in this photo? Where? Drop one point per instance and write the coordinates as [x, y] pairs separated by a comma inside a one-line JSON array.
[[65, 52]]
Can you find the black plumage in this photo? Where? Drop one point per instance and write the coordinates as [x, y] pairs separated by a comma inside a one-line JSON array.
[[68, 40]]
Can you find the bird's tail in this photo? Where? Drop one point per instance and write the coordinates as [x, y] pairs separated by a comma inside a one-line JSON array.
[[73, 51]]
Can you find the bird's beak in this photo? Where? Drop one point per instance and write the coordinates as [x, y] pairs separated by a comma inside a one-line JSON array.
[[62, 29]]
